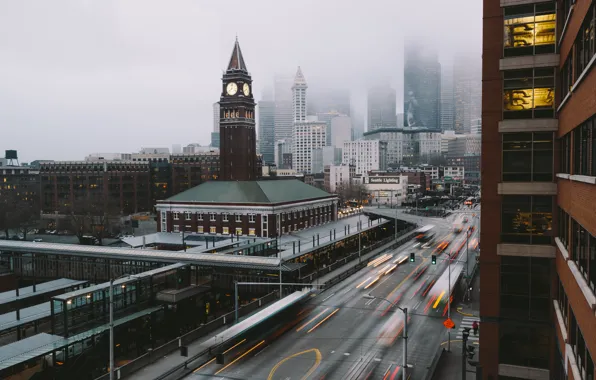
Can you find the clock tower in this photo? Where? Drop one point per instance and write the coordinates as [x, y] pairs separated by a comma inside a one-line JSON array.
[[237, 149]]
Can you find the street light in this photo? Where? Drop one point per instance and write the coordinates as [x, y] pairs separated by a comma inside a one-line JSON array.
[[405, 336], [112, 321]]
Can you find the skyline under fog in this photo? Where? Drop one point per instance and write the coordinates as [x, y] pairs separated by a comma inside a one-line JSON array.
[[111, 76]]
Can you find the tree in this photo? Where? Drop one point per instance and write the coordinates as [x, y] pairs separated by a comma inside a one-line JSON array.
[[90, 217], [17, 214], [352, 192]]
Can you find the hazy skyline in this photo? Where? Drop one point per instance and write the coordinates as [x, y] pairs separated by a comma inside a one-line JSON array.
[[78, 77]]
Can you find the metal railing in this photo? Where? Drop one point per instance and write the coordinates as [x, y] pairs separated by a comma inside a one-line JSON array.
[[191, 336]]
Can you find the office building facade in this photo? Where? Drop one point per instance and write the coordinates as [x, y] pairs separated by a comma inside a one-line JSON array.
[[365, 155], [538, 197], [308, 136]]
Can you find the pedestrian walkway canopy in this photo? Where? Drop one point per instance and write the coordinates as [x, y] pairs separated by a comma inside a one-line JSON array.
[[150, 255]]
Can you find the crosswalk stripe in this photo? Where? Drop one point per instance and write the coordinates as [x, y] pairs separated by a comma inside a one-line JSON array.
[[468, 322]]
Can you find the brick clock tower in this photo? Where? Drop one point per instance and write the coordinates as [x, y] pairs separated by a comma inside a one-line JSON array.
[[238, 156]]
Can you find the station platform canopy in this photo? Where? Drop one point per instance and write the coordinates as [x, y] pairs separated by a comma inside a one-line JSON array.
[[27, 315], [40, 289], [44, 344]]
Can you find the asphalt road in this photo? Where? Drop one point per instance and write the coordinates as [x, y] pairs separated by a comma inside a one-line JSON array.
[[340, 334]]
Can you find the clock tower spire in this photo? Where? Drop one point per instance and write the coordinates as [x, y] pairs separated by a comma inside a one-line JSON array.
[[238, 157]]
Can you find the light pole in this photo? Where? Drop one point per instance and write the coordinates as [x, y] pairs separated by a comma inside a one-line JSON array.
[[467, 254], [405, 336], [112, 321], [359, 226], [183, 238], [449, 303]]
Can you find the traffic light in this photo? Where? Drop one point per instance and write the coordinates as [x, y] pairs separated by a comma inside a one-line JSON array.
[[433, 259], [471, 350], [412, 257]]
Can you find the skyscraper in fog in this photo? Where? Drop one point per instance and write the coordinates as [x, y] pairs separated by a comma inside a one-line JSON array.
[[447, 112], [467, 92], [325, 100], [422, 86], [299, 97], [283, 108], [381, 107], [267, 130]]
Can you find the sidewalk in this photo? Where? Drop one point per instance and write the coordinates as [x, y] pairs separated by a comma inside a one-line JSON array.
[[450, 365]]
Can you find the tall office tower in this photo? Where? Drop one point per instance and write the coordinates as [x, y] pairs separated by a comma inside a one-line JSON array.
[[284, 118], [422, 86], [467, 91], [538, 229], [238, 158], [267, 130], [447, 99], [381, 107], [299, 104]]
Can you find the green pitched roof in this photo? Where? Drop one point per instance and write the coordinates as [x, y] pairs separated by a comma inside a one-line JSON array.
[[273, 191]]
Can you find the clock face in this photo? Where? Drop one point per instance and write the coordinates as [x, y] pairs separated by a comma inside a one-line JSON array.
[[232, 88], [246, 89]]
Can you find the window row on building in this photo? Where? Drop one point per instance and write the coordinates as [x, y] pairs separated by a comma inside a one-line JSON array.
[[576, 340], [528, 157], [527, 219], [580, 245], [582, 52], [529, 29], [529, 93], [578, 149]]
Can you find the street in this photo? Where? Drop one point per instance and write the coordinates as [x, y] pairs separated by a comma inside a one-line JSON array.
[[340, 334]]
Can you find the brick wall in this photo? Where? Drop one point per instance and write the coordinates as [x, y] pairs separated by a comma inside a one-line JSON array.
[[580, 106], [578, 199], [492, 49]]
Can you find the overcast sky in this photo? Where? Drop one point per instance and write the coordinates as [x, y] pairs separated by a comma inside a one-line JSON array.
[[84, 76]]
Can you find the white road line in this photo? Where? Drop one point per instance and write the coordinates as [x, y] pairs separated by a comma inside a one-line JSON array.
[[328, 297]]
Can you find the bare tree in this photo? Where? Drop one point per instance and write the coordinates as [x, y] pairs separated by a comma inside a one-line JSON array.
[[352, 192], [91, 217], [17, 214]]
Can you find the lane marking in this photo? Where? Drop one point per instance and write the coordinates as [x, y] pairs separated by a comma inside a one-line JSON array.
[[318, 358], [438, 299], [225, 352], [323, 320], [241, 356], [328, 297], [309, 322]]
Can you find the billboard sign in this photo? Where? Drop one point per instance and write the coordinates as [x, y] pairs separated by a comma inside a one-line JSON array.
[[381, 180]]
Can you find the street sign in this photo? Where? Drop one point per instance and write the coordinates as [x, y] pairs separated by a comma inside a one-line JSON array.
[[449, 323]]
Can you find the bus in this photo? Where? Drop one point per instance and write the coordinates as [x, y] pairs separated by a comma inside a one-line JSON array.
[[425, 234]]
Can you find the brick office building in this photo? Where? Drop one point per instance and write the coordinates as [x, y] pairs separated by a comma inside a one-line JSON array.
[[253, 208], [125, 184], [538, 261]]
